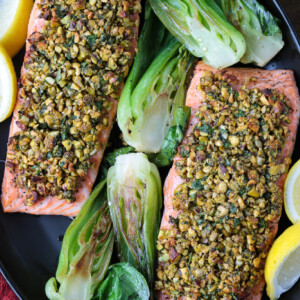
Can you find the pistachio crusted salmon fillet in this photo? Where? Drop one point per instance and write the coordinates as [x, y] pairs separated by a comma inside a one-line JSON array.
[[223, 195], [77, 56]]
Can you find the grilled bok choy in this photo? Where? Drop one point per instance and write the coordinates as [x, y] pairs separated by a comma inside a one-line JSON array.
[[203, 28], [86, 251], [135, 199], [259, 28], [151, 112]]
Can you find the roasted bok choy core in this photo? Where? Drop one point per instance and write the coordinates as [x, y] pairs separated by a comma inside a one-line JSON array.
[[110, 159], [203, 28], [151, 111], [259, 28], [135, 200], [123, 282], [86, 251]]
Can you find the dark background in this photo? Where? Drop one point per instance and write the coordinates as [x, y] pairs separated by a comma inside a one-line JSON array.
[[292, 8]]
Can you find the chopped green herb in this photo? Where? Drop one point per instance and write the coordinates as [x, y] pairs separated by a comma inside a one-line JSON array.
[[91, 39], [197, 185]]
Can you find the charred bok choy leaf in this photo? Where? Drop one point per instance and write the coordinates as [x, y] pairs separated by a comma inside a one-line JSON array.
[[86, 251], [259, 28], [203, 28], [135, 199], [151, 111], [123, 282]]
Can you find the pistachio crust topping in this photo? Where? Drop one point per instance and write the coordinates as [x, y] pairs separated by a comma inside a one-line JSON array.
[[73, 74], [229, 201]]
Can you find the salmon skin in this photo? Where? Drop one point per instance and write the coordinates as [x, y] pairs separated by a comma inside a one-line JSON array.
[[244, 215], [100, 51]]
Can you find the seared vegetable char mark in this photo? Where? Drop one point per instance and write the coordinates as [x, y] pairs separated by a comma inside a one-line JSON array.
[[86, 251], [74, 70], [229, 201]]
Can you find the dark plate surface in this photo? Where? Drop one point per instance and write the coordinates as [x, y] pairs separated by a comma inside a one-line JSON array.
[[30, 245]]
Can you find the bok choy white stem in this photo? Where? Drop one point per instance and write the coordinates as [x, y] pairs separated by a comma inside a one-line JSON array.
[[203, 28], [152, 104], [259, 28]]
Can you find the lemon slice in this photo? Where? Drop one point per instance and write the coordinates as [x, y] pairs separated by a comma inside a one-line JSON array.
[[14, 17], [292, 194], [282, 268], [8, 85]]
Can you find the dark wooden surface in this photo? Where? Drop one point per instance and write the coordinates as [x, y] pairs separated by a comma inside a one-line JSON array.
[[292, 7]]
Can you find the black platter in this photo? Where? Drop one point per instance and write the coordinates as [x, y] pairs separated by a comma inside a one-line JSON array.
[[30, 245]]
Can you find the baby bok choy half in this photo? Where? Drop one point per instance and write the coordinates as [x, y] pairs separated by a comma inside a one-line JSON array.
[[259, 28], [151, 112], [135, 199], [203, 28], [86, 251]]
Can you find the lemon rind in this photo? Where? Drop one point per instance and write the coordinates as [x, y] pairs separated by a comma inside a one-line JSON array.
[[288, 193], [283, 246], [12, 88], [14, 38]]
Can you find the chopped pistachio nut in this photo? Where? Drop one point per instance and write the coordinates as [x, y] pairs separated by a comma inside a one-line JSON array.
[[229, 200], [68, 90]]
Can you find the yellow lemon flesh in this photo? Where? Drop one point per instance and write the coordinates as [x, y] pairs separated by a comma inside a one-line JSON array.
[[292, 194], [8, 85], [282, 268], [14, 18]]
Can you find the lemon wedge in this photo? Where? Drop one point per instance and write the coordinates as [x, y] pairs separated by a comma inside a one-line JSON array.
[[292, 194], [8, 85], [282, 269], [14, 18]]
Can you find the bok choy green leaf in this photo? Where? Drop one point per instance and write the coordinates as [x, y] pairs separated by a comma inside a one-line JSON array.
[[259, 28], [203, 28], [86, 251], [123, 282], [172, 140], [135, 199], [153, 100]]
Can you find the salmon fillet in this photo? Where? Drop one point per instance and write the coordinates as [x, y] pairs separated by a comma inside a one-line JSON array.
[[283, 82], [13, 197]]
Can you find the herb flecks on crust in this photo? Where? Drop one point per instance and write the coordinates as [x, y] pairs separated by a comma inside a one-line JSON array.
[[74, 69], [230, 201]]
